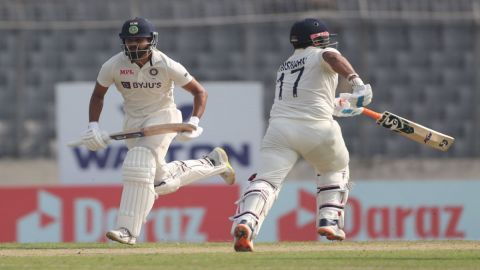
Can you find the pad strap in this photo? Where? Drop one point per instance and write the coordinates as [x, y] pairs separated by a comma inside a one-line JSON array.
[[255, 204], [332, 196]]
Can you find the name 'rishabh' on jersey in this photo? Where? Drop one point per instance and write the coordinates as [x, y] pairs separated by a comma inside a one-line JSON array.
[[305, 87], [147, 89]]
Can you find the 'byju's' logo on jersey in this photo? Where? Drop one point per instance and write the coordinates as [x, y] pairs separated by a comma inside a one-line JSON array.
[[126, 72], [146, 85], [126, 85], [136, 85]]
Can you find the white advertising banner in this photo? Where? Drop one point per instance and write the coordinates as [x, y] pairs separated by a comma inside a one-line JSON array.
[[233, 120], [382, 210]]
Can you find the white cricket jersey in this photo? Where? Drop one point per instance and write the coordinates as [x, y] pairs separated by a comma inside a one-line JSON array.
[[305, 87], [148, 89]]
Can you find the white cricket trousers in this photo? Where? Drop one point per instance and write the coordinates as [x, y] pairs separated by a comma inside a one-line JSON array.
[[319, 142], [158, 143]]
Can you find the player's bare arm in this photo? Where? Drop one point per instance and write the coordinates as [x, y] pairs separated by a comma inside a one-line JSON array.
[[361, 93], [338, 63], [199, 102], [199, 97], [94, 138], [96, 102]]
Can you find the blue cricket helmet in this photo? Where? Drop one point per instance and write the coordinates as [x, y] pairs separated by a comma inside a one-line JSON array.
[[310, 32], [138, 28]]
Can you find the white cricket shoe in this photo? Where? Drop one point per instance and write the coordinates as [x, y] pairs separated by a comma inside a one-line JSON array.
[[122, 235], [243, 237], [219, 157], [329, 228]]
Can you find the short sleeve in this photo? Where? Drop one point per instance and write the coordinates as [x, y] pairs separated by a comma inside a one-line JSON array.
[[105, 76], [178, 73]]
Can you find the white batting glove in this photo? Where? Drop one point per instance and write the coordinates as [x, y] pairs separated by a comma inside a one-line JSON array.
[[342, 107], [94, 138], [188, 135], [361, 93]]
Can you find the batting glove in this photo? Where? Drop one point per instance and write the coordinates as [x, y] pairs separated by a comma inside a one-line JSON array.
[[94, 138], [342, 107], [188, 135], [361, 93]]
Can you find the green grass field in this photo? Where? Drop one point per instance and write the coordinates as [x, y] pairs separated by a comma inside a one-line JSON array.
[[306, 255]]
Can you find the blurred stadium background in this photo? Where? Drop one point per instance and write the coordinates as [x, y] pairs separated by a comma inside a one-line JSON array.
[[422, 58]]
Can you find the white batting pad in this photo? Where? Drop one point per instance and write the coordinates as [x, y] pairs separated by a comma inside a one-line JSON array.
[[254, 204], [180, 173], [138, 194], [332, 195]]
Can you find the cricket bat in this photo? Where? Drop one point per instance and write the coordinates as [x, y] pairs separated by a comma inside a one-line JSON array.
[[146, 131], [411, 130]]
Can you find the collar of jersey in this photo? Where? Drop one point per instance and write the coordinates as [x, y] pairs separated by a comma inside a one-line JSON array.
[[155, 57]]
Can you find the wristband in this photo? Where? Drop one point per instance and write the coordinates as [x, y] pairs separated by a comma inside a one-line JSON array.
[[194, 120], [351, 76], [93, 125], [356, 81]]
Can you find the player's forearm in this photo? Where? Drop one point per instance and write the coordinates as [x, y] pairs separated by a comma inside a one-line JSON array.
[[199, 103], [199, 97], [95, 108]]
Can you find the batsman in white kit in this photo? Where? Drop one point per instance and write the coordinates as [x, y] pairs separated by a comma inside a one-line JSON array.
[[145, 77], [301, 125]]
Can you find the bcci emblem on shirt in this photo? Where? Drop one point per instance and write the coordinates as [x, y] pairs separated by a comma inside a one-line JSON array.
[[153, 71]]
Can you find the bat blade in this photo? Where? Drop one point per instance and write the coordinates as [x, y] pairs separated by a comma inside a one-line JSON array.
[[146, 131], [411, 130], [153, 130]]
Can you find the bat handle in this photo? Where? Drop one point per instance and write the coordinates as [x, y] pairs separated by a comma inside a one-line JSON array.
[[373, 114], [75, 144], [106, 138]]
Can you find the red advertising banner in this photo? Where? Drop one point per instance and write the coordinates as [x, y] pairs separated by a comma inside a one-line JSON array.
[[376, 210], [84, 214]]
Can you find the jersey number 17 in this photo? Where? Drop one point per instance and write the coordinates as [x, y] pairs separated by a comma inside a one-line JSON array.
[[295, 85]]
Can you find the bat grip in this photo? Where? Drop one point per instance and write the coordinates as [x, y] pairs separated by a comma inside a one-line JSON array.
[[75, 143], [373, 114], [105, 138]]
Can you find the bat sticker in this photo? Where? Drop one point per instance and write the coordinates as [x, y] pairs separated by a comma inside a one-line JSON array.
[[428, 137], [394, 123], [443, 143]]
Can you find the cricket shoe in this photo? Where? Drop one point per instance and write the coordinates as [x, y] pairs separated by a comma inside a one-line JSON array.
[[122, 235], [219, 157], [329, 228], [243, 237]]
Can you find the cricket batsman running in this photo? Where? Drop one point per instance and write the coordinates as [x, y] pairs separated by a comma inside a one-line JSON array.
[[145, 77], [301, 125]]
